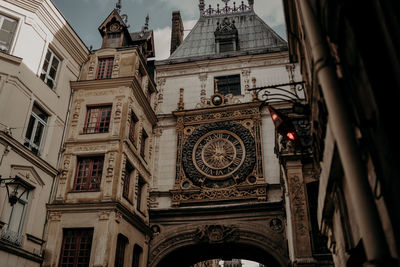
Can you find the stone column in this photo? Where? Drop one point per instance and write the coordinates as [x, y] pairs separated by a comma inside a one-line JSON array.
[[299, 214]]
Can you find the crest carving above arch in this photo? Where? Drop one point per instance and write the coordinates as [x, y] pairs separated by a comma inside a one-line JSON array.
[[265, 239]]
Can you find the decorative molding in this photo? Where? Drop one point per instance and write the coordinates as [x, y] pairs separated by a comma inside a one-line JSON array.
[[240, 178]]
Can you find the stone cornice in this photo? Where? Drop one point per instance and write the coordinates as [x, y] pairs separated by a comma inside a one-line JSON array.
[[232, 107], [206, 66], [20, 252], [225, 58], [213, 210], [58, 26], [10, 58], [129, 216]]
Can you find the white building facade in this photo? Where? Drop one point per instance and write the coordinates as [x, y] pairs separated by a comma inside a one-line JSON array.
[[40, 55]]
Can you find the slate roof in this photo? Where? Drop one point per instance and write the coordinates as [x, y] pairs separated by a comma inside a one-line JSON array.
[[255, 37]]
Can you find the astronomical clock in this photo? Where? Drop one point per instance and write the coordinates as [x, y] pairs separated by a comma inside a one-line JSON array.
[[219, 154]]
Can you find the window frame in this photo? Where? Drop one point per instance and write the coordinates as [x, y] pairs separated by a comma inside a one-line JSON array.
[[143, 144], [120, 249], [88, 185], [228, 83], [133, 128], [141, 185], [45, 74], [126, 188], [136, 255], [98, 121], [13, 32], [78, 233], [29, 143], [9, 234], [105, 67]]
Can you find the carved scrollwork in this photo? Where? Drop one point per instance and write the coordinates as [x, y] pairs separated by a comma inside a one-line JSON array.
[[215, 234]]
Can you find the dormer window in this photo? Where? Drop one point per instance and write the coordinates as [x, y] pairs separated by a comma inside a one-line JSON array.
[[226, 36], [113, 39]]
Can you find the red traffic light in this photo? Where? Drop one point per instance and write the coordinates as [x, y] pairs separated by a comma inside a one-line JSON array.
[[283, 124]]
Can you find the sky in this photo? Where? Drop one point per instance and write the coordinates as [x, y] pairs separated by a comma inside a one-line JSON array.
[[85, 16]]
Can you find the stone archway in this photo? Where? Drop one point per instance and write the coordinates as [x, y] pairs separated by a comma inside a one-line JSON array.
[[185, 245]]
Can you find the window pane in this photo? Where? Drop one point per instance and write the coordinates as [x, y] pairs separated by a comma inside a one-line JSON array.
[[104, 69], [16, 217], [46, 62], [38, 134], [40, 113], [29, 130], [120, 251], [229, 84], [98, 119], [88, 176], [9, 25], [7, 29], [76, 246], [50, 68], [54, 67]]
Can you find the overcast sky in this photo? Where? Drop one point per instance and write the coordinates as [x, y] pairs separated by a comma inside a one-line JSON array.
[[85, 16]]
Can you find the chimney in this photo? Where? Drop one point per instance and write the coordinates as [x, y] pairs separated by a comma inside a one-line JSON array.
[[177, 31]]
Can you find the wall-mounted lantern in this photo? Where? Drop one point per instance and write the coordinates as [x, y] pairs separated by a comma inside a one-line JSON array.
[[16, 188]]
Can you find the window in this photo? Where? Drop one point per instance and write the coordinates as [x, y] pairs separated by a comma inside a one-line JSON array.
[[97, 119], [137, 252], [226, 46], [50, 68], [16, 217], [132, 128], [7, 31], [228, 84], [105, 67], [143, 145], [35, 132], [127, 182], [120, 251], [140, 193], [76, 246], [88, 174], [113, 39]]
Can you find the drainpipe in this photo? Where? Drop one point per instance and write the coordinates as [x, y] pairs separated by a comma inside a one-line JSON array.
[[366, 213]]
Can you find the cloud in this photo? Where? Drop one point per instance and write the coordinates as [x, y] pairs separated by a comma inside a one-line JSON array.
[[162, 42]]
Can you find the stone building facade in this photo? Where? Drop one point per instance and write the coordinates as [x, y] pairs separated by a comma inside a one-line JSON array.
[[353, 84], [223, 184], [99, 211], [36, 66]]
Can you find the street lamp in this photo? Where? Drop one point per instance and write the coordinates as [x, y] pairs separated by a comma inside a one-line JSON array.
[[16, 188]]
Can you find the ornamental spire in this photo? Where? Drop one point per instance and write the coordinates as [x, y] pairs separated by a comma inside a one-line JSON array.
[[201, 7], [118, 5]]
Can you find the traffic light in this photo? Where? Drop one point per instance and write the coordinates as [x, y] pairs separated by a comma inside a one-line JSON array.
[[283, 125]]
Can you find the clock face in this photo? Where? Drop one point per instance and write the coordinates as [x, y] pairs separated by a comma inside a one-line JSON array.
[[219, 154]]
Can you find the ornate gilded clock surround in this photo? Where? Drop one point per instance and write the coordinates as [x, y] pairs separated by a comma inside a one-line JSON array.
[[219, 155]]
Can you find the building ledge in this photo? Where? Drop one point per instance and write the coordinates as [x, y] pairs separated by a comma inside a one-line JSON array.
[[10, 58], [20, 252]]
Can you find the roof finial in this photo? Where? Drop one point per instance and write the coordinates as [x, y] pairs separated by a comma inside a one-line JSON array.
[[118, 5], [251, 4], [226, 2], [201, 7], [146, 24]]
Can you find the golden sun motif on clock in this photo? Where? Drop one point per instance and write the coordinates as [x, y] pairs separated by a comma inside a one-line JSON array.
[[218, 154]]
